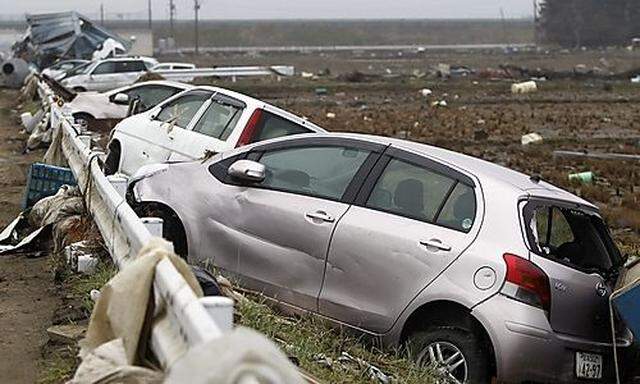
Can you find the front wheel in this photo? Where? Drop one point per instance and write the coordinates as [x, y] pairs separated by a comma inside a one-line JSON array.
[[456, 354]]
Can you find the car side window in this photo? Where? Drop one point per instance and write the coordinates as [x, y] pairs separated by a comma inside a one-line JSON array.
[[410, 190], [151, 95], [321, 171], [129, 66], [271, 126], [459, 212], [219, 120], [104, 68], [181, 110]]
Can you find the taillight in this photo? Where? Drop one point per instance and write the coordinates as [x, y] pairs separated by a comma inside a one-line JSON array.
[[250, 129], [526, 282]]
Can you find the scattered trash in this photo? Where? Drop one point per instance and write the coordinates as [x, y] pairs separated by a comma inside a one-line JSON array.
[[67, 333], [79, 257], [373, 372], [307, 75], [439, 103], [583, 177], [531, 138], [25, 118], [321, 91], [443, 70], [53, 36], [526, 87], [94, 295], [331, 115], [426, 92]]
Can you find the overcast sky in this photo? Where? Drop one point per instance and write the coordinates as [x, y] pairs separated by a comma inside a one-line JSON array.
[[287, 9]]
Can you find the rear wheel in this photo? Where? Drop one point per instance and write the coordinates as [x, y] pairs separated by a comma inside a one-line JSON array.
[[454, 353], [84, 119], [172, 228], [79, 89], [112, 162]]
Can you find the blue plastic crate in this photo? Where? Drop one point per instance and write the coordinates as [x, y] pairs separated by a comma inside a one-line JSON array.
[[45, 180], [627, 304]]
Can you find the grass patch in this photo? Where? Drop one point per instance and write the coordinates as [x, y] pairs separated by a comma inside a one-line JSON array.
[[319, 348], [82, 285], [59, 362], [59, 366]]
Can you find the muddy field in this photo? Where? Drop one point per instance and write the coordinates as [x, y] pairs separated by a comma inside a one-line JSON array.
[[481, 117]]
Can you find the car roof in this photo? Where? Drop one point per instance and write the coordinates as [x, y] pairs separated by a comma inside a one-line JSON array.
[[482, 169], [167, 83]]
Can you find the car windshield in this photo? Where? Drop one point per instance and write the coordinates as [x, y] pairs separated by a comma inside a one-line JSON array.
[[573, 237], [79, 69]]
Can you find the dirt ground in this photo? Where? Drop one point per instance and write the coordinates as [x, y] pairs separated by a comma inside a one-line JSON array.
[[27, 297]]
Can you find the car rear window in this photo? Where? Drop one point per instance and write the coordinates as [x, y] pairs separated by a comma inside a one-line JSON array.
[[573, 237], [272, 126]]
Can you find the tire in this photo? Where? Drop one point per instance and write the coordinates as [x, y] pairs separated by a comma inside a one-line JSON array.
[[172, 228], [79, 89], [87, 118], [112, 162], [476, 366]]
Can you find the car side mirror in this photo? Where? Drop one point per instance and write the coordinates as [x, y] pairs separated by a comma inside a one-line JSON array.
[[248, 171], [121, 98]]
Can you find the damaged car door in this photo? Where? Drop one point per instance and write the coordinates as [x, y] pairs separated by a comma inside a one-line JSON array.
[[285, 222], [150, 141], [412, 218], [209, 131]]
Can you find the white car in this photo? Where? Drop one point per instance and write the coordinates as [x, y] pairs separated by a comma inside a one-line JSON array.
[[60, 68], [175, 71], [195, 123], [104, 75], [114, 104], [172, 66]]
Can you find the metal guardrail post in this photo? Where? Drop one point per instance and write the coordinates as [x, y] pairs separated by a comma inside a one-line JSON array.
[[154, 225], [119, 183], [220, 309]]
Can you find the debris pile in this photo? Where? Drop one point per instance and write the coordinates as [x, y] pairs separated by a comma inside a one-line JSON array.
[[65, 35]]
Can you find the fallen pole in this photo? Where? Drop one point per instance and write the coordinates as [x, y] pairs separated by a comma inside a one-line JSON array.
[[596, 155]]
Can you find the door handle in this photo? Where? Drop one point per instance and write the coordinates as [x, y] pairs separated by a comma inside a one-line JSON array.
[[321, 215], [435, 243]]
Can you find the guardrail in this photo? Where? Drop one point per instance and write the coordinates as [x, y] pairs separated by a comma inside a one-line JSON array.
[[191, 321], [233, 72]]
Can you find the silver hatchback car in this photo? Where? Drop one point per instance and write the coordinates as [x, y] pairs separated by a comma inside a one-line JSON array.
[[482, 271]]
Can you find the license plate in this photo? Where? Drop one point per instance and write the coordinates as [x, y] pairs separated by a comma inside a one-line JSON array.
[[588, 365]]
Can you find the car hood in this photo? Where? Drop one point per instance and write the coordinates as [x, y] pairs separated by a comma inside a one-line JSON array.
[[98, 105]]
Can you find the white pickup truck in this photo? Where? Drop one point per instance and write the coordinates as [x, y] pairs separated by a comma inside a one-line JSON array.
[[196, 122]]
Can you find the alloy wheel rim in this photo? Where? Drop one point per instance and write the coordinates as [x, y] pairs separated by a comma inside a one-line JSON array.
[[446, 359]]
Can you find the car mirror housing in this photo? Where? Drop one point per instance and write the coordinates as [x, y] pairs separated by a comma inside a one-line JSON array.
[[121, 98], [248, 171]]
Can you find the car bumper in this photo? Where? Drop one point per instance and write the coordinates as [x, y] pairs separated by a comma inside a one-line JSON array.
[[528, 350]]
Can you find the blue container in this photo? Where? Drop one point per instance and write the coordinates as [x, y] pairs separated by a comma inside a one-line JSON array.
[[627, 305], [45, 180]]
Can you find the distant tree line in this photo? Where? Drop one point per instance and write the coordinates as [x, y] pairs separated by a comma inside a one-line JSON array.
[[576, 23]]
